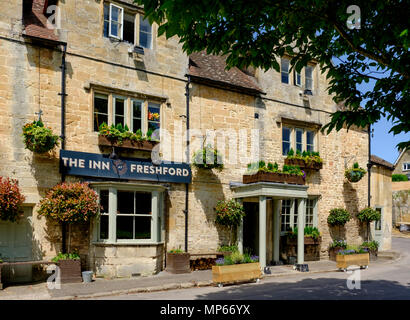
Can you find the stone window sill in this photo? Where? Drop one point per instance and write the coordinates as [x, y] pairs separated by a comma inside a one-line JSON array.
[[112, 244]]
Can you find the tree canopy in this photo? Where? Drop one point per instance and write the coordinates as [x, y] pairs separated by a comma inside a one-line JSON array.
[[258, 33]]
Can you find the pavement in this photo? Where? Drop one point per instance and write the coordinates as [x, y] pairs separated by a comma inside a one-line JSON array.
[[161, 282]]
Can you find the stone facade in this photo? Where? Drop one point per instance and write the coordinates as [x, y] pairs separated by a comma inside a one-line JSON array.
[[403, 158], [31, 80]]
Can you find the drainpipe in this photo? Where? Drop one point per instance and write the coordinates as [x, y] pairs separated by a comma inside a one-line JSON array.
[[62, 136], [369, 167], [187, 160]]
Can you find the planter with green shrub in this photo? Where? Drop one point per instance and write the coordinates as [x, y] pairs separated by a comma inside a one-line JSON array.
[[372, 247], [352, 256], [262, 172], [178, 261], [38, 138], [335, 247], [366, 216], [69, 267], [306, 160], [355, 173]]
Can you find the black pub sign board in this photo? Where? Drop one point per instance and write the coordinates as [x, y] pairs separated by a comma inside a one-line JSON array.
[[99, 165]]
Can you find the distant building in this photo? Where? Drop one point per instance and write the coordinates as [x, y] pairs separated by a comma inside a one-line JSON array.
[[402, 164]]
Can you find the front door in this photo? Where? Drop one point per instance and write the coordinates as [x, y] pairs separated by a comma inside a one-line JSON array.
[[16, 246]]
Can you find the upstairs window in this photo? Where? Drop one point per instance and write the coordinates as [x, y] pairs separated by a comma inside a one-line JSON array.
[[284, 70], [127, 26], [297, 78], [406, 166], [136, 115], [309, 78], [100, 110], [116, 21], [286, 140], [299, 139], [310, 141], [119, 111]]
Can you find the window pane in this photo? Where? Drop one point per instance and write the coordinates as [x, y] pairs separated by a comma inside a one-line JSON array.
[[119, 111], [129, 28], [114, 29], [125, 202], [378, 223], [145, 33], [299, 136], [106, 19], [309, 141], [136, 105], [284, 66], [143, 202], [100, 110], [309, 77], [104, 227], [115, 14], [125, 227], [104, 201], [153, 116], [142, 227], [285, 140], [136, 124]]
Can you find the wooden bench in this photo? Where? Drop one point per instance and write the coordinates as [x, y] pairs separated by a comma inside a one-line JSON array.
[[22, 263]]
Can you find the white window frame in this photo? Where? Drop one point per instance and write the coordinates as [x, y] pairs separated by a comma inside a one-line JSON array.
[[282, 71], [143, 115], [314, 211], [313, 140], [140, 18], [157, 217], [303, 138], [291, 216], [311, 79], [120, 23], [406, 166], [114, 98], [290, 138], [102, 96]]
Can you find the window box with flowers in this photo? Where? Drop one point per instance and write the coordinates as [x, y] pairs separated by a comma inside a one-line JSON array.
[[260, 172], [307, 160], [235, 268], [121, 137]]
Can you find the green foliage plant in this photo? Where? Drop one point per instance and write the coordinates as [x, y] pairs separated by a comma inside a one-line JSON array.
[[118, 133], [338, 217], [208, 158], [66, 256], [355, 173], [399, 177], [38, 138], [229, 214]]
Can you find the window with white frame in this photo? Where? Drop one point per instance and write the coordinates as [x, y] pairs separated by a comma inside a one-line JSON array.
[[311, 213], [297, 78], [286, 140], [309, 78], [287, 216], [136, 114], [127, 26], [299, 139], [406, 166], [378, 223], [284, 70], [128, 215]]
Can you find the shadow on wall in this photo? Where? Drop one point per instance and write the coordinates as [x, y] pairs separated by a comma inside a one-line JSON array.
[[208, 190], [337, 232], [352, 205]]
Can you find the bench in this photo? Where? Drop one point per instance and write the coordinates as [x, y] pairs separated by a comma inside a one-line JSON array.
[[22, 263]]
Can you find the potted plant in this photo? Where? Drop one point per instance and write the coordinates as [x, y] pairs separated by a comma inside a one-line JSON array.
[[236, 267], [335, 247], [11, 199], [69, 267], [338, 217], [178, 261], [307, 160], [121, 137], [355, 173], [311, 236], [260, 172], [352, 257], [372, 247], [207, 158], [38, 138], [366, 216], [229, 215], [70, 202]]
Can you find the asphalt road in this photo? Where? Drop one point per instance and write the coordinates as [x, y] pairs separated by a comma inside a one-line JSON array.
[[390, 280]]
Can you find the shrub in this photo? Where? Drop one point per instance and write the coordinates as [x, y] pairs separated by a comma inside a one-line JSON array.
[[399, 177], [355, 174], [38, 138], [175, 251], [70, 202], [308, 232], [208, 158], [371, 245], [66, 256], [262, 167], [236, 258], [368, 215], [338, 217], [227, 248], [306, 156], [119, 132], [11, 199]]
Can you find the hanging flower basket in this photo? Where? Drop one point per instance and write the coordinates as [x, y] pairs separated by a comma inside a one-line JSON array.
[[11, 199], [38, 138], [355, 174], [208, 158], [70, 202]]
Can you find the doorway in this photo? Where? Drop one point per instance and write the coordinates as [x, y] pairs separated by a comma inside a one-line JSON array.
[[16, 246], [251, 228]]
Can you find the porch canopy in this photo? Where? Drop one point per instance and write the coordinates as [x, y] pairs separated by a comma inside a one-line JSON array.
[[277, 192]]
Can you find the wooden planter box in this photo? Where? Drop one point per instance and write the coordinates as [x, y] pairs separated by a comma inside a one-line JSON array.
[[178, 263], [359, 259], [307, 240], [333, 252], [70, 271], [273, 177], [236, 273], [103, 141], [313, 165]]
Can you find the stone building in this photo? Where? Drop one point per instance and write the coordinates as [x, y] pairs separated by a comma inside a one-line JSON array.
[[104, 63], [402, 164]]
